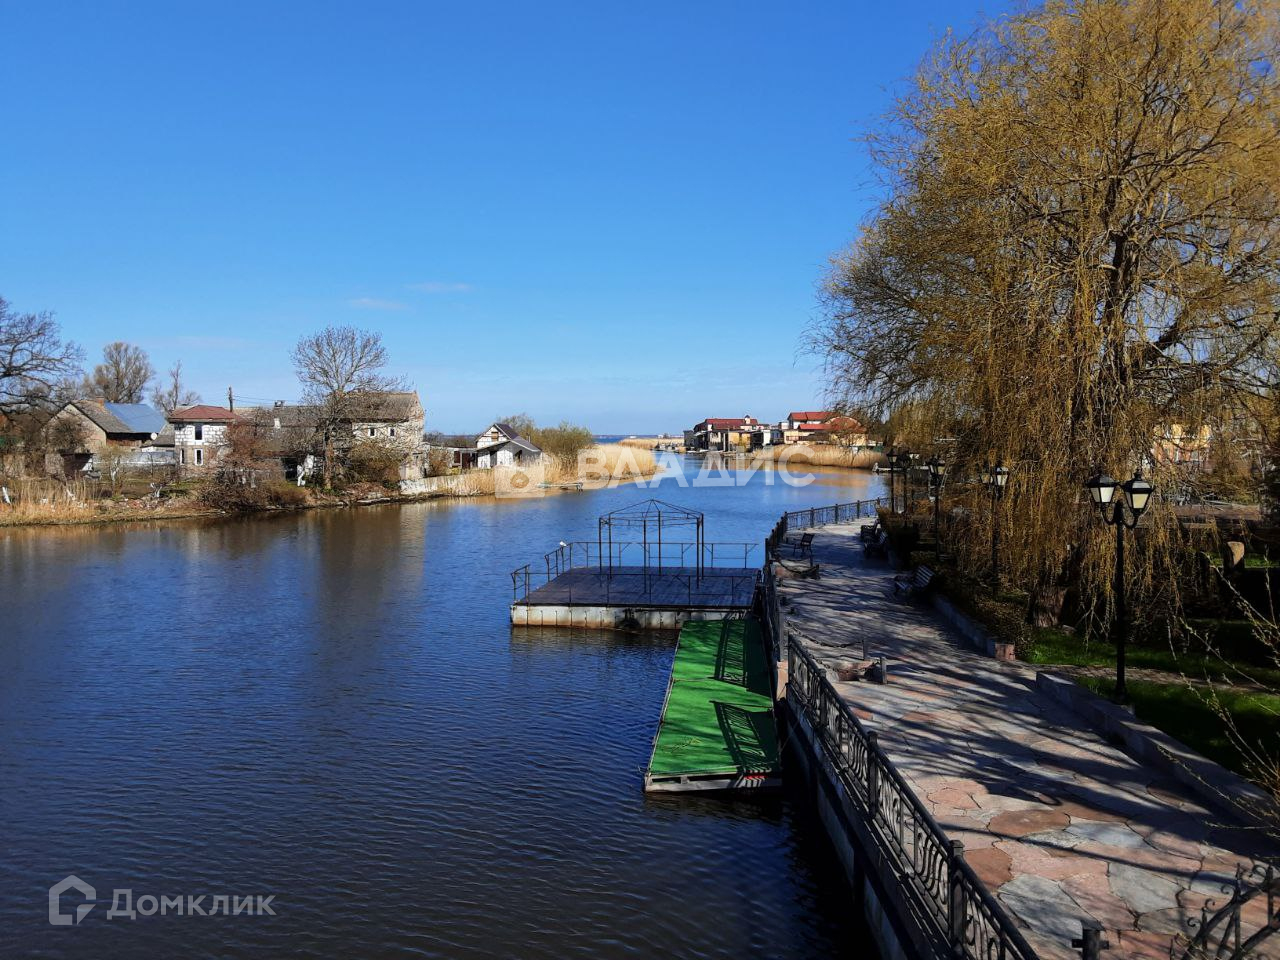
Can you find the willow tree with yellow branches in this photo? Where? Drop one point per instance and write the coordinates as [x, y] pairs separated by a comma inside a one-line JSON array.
[[1078, 253]]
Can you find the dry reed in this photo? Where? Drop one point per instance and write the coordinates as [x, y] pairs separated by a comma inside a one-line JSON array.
[[823, 455], [597, 466]]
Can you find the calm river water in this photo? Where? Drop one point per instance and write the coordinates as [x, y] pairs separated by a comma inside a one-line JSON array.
[[331, 708]]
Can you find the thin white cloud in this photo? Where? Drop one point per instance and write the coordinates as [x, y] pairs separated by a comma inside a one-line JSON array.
[[439, 286], [373, 303]]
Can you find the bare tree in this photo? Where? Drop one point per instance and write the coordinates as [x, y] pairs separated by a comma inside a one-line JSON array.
[[34, 360], [66, 434], [564, 443], [173, 395], [339, 368], [63, 435], [115, 460], [522, 424], [123, 374], [247, 442]]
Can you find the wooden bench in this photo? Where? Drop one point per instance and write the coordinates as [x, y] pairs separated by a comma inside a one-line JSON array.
[[879, 547], [908, 585], [802, 545], [870, 531]]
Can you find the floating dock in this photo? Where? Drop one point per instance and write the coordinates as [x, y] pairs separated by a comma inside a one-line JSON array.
[[654, 582], [634, 597], [717, 730]]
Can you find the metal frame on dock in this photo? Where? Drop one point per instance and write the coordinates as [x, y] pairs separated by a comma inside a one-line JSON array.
[[645, 514], [652, 573]]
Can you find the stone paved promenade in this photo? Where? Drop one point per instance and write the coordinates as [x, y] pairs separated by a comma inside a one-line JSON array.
[[1058, 823]]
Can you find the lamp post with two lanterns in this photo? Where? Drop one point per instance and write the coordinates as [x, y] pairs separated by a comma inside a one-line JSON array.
[[995, 478], [937, 472], [905, 459], [1123, 515], [892, 456]]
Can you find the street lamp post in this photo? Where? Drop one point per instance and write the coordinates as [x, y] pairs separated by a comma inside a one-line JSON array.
[[937, 471], [904, 467], [995, 478], [893, 469], [1137, 494]]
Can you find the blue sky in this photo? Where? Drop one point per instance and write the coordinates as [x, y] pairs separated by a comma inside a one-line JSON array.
[[612, 213]]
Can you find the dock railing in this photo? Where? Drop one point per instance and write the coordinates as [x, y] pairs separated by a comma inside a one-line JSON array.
[[630, 559]]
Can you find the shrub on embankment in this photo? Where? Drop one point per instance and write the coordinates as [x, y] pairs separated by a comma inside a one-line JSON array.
[[230, 493]]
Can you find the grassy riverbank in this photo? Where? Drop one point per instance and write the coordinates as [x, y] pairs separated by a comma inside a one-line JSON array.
[[79, 502]]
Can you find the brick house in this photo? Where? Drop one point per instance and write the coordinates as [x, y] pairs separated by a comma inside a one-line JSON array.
[[392, 418], [103, 425]]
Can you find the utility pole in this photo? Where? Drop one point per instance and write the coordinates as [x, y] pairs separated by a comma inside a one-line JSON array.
[[231, 401]]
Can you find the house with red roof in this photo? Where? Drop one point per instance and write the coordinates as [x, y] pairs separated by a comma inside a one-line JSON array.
[[726, 433], [199, 433], [822, 426], [796, 419]]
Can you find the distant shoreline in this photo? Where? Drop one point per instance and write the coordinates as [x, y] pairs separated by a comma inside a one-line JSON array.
[[188, 507]]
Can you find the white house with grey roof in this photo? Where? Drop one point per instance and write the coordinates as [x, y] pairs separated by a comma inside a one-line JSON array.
[[502, 446]]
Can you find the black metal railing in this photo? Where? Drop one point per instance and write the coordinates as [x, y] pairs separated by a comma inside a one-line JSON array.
[[770, 612], [929, 865], [832, 513]]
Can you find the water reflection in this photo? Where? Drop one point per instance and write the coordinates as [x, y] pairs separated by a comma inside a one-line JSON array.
[[332, 707]]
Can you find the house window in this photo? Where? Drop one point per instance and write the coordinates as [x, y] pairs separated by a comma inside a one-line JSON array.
[[182, 457], [372, 431], [391, 431], [199, 457], [199, 431]]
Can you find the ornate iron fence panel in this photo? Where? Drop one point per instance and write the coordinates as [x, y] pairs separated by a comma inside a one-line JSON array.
[[1223, 932], [930, 865]]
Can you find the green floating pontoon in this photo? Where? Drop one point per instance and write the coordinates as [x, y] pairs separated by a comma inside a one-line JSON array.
[[717, 730]]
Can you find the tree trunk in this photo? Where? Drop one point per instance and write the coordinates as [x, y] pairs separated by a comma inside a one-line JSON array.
[[1044, 605], [328, 458]]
